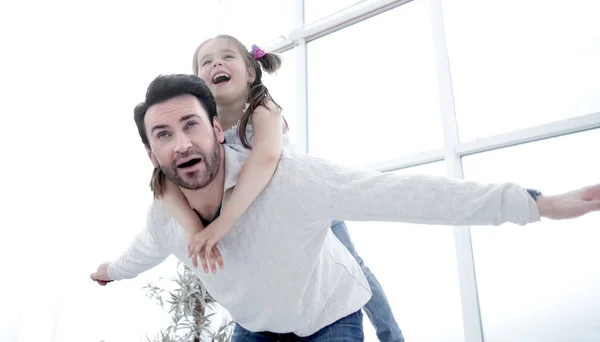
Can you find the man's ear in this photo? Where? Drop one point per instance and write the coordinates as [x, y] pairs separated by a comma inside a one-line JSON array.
[[152, 157], [218, 130]]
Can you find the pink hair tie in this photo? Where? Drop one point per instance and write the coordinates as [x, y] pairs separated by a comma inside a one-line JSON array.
[[256, 52]]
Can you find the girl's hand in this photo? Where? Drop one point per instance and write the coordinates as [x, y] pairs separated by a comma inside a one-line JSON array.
[[203, 245]]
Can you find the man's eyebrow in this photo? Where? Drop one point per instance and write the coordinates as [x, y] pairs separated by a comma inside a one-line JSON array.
[[187, 117], [183, 118], [157, 127]]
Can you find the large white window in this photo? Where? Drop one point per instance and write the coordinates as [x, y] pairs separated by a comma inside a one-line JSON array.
[[256, 21], [540, 282], [315, 10], [282, 86], [517, 64], [372, 98]]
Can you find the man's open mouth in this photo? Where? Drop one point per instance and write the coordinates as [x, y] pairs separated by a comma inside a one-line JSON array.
[[189, 163]]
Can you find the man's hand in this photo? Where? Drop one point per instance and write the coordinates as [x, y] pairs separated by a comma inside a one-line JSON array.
[[571, 204], [101, 275]]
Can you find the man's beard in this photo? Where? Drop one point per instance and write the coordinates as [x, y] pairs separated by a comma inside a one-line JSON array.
[[198, 179]]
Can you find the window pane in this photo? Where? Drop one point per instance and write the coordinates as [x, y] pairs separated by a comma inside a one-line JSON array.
[[250, 21], [282, 86], [416, 266], [540, 282], [370, 102], [517, 64], [315, 10]]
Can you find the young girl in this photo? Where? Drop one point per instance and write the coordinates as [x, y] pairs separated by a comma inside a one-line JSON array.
[[251, 119]]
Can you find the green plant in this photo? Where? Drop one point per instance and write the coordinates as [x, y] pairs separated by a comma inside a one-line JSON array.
[[187, 304]]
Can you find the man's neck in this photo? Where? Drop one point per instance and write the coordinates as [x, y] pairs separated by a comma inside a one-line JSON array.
[[230, 113], [207, 201]]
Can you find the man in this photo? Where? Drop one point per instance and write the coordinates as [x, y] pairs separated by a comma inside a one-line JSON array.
[[286, 276]]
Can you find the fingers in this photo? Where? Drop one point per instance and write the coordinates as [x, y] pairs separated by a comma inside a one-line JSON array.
[[195, 260], [94, 276], [97, 277], [204, 262], [590, 206], [195, 255], [208, 259], [194, 248], [592, 192], [190, 248], [211, 257], [208, 253], [219, 257], [570, 209], [198, 253]]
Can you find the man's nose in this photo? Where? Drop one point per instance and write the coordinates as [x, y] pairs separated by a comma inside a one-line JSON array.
[[217, 62], [183, 144]]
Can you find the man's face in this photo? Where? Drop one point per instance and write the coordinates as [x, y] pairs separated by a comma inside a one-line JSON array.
[[183, 143]]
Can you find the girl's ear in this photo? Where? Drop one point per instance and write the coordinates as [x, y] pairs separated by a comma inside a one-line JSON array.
[[251, 75]]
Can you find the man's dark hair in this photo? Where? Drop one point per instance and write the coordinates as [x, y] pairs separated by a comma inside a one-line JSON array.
[[166, 87]]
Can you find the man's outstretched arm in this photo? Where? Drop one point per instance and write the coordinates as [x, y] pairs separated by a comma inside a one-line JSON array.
[[330, 191], [145, 252]]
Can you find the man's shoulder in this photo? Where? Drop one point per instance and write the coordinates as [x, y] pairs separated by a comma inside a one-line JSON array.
[[302, 168], [300, 161], [290, 163], [312, 169], [158, 217]]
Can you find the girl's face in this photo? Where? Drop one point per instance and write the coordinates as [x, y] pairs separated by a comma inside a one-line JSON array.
[[222, 67]]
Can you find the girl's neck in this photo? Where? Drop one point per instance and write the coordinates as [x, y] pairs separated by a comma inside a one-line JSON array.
[[230, 113]]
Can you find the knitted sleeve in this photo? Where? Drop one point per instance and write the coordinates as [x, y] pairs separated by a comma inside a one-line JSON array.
[[330, 191], [147, 250]]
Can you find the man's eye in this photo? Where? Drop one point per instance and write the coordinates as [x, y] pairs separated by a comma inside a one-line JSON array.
[[190, 124], [206, 62], [161, 135]]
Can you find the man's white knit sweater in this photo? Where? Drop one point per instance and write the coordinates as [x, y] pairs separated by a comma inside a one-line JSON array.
[[284, 269]]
